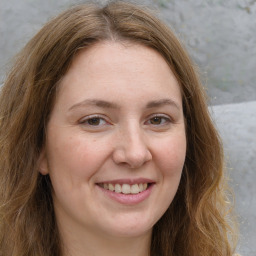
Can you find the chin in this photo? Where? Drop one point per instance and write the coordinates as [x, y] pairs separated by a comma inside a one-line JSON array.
[[131, 228]]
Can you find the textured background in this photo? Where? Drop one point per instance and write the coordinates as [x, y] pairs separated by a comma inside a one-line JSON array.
[[220, 36]]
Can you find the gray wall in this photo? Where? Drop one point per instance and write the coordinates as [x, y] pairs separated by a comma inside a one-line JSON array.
[[237, 126], [220, 36]]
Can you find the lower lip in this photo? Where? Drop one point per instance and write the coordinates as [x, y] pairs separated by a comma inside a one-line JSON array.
[[128, 199]]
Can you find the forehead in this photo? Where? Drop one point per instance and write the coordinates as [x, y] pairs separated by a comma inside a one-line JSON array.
[[114, 69], [111, 53]]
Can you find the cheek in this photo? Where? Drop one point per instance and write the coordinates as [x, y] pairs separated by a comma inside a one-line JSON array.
[[171, 155], [74, 158]]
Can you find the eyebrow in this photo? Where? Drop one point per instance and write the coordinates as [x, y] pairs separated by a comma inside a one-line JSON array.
[[162, 102], [107, 104], [95, 102]]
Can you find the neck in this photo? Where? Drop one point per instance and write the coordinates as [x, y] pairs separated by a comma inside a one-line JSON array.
[[90, 244]]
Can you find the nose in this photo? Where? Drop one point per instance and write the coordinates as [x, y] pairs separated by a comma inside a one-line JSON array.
[[131, 149]]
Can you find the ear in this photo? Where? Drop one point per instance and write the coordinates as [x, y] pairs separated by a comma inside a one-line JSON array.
[[43, 163]]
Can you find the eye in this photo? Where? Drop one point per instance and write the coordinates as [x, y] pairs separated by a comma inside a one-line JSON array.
[[93, 121], [159, 120]]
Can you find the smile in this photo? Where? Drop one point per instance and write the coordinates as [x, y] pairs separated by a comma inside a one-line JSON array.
[[125, 188]]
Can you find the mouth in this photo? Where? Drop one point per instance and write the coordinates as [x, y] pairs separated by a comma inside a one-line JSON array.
[[126, 189]]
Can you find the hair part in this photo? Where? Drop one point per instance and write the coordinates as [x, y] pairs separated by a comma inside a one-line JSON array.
[[196, 223]]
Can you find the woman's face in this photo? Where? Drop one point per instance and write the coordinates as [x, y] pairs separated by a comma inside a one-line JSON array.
[[116, 143]]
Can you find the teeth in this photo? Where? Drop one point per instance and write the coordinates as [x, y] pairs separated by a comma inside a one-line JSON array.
[[135, 189], [118, 188], [125, 188], [111, 187]]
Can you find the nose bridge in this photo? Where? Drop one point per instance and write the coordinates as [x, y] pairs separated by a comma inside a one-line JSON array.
[[132, 148], [133, 138]]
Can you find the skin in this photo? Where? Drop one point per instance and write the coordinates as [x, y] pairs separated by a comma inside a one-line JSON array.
[[137, 132]]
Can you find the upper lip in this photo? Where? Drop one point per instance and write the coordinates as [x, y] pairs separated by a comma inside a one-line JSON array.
[[127, 181]]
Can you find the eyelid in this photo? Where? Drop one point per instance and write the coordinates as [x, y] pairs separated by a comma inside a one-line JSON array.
[[164, 116], [85, 119]]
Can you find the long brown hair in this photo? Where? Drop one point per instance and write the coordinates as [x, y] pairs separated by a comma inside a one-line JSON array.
[[197, 221]]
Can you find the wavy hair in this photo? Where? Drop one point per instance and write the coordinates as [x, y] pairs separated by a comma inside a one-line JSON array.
[[197, 223]]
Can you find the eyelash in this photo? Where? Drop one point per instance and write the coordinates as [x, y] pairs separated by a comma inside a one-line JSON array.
[[161, 117], [85, 121], [99, 119]]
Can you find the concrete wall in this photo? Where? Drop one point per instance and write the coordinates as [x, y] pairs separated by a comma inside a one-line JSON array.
[[237, 126], [221, 38]]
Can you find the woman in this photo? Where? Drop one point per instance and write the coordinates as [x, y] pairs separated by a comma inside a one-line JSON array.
[[107, 146]]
